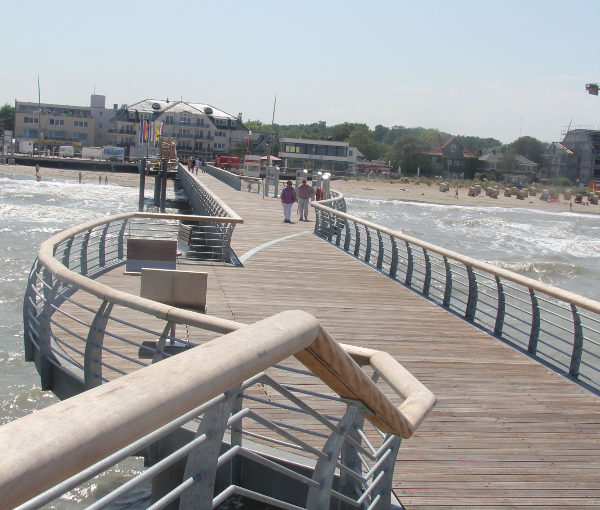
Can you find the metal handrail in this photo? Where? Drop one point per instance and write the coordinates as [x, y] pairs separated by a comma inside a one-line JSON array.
[[506, 304]]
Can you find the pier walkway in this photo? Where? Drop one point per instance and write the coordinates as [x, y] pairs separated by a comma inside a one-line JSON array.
[[506, 432]]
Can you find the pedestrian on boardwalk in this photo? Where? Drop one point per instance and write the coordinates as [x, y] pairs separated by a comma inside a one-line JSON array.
[[305, 193], [288, 197], [197, 165]]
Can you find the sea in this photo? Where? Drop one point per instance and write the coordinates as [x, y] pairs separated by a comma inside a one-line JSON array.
[[559, 248]]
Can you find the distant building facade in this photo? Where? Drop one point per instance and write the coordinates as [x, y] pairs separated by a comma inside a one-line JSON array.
[[577, 157], [455, 158], [330, 156], [199, 129], [51, 125], [525, 171]]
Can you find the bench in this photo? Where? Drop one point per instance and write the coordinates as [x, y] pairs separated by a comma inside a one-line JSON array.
[[150, 253], [183, 289]]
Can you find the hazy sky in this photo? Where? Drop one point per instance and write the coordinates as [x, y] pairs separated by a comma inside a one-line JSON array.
[[491, 69]]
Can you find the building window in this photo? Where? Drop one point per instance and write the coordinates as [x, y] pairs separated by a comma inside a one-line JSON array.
[[184, 119], [453, 148], [30, 133], [80, 123], [30, 120], [170, 120], [80, 137], [493, 166]]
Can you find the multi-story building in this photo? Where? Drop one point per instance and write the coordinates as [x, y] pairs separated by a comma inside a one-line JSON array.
[[334, 157], [51, 125], [199, 129], [524, 170], [455, 158], [577, 157]]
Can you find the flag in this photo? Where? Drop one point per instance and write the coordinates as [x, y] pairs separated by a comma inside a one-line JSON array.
[[141, 132], [145, 130]]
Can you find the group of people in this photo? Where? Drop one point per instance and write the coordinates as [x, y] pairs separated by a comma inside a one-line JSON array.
[[194, 164], [289, 197]]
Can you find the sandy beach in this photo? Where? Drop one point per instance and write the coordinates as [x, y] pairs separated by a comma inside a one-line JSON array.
[[375, 188]]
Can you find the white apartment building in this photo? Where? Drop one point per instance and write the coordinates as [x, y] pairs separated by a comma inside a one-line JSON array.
[[333, 157], [199, 129]]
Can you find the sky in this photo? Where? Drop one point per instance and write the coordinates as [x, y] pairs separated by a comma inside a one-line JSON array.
[[499, 69]]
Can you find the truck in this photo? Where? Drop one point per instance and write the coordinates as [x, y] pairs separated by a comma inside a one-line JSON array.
[[226, 161], [66, 151], [91, 152], [112, 153]]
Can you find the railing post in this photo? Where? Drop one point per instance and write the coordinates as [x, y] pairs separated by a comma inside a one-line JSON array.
[[351, 459], [330, 217], [356, 240], [201, 465], [319, 497], [427, 281], [501, 310], [394, 262], [409, 265], [347, 235], [385, 483], [30, 311], [160, 344], [535, 323], [92, 358], [44, 338], [380, 250], [577, 343], [102, 247], [472, 299], [121, 242], [338, 230], [67, 253], [83, 254], [448, 287], [368, 247]]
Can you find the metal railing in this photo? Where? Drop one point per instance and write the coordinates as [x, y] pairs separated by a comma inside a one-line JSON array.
[[228, 178], [218, 416], [557, 327], [211, 241]]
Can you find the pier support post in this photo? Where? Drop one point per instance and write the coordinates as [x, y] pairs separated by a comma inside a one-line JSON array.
[[142, 170]]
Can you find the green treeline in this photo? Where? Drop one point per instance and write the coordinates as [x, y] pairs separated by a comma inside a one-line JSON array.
[[401, 146]]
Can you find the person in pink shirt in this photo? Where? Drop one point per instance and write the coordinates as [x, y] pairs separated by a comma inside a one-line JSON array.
[[288, 197]]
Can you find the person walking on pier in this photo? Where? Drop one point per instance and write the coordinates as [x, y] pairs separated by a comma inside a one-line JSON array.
[[288, 197], [305, 193]]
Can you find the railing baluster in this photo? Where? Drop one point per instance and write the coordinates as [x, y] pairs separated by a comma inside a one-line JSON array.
[[472, 299], [380, 250], [44, 339], [92, 359], [121, 240], [319, 497], [201, 464], [347, 236], [66, 258], [394, 262], [368, 247], [409, 265], [356, 240], [102, 247], [427, 281], [535, 323], [448, 286], [577, 343], [501, 309], [84, 253]]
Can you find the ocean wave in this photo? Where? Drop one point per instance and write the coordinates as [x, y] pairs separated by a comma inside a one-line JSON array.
[[541, 270]]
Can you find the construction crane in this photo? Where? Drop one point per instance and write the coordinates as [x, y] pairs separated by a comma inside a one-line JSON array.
[[592, 88]]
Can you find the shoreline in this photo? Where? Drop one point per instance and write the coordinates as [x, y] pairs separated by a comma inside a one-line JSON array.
[[375, 189], [424, 193]]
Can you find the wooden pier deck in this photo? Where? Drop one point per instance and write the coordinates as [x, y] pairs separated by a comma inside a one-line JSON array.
[[507, 432]]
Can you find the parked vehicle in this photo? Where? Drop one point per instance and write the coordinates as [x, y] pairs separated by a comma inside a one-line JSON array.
[[91, 152], [112, 153], [66, 151], [226, 161]]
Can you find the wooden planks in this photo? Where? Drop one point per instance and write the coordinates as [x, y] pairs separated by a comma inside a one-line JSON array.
[[506, 432]]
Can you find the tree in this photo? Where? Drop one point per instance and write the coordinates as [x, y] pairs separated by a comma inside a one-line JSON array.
[[529, 147], [7, 117]]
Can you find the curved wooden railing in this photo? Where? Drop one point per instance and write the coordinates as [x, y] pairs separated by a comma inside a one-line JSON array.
[[55, 304], [556, 326]]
